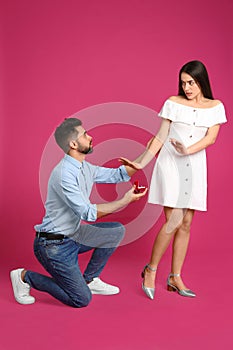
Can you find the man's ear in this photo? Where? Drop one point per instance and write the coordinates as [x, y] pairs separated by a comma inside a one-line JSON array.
[[73, 144]]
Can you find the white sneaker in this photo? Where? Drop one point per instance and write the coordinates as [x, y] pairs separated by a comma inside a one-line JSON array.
[[21, 289], [99, 287]]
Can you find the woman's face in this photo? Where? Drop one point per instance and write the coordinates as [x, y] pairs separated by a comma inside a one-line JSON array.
[[190, 87]]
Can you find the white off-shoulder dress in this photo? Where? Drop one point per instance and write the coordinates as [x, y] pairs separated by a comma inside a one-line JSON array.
[[180, 181]]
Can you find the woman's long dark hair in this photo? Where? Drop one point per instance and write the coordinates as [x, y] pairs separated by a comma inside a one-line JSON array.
[[198, 72]]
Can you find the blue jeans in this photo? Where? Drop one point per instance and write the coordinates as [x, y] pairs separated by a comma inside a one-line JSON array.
[[60, 260]]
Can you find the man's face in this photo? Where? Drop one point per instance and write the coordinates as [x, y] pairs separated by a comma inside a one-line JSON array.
[[84, 141]]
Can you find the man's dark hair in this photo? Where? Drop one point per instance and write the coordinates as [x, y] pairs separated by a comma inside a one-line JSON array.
[[66, 132], [198, 72]]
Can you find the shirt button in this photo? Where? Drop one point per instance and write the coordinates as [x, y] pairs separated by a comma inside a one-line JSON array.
[[194, 123], [194, 110], [191, 136], [186, 179], [186, 193], [187, 164]]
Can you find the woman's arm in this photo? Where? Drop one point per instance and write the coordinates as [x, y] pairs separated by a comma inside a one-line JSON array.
[[206, 141], [153, 147]]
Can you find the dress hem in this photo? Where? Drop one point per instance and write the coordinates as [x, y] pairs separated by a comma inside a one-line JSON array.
[[175, 207]]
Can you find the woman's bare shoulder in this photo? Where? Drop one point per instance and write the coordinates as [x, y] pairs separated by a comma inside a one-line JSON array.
[[215, 102], [177, 99], [206, 102]]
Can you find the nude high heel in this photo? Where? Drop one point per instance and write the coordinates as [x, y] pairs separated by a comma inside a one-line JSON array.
[[150, 292], [182, 292]]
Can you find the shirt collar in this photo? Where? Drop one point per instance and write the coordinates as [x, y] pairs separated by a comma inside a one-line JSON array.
[[73, 161]]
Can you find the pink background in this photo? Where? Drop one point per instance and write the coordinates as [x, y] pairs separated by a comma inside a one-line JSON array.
[[59, 57]]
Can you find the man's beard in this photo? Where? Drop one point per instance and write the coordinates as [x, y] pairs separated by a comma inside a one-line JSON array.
[[86, 150]]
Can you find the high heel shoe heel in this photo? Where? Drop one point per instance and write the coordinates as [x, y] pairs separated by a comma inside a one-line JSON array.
[[150, 292], [182, 292]]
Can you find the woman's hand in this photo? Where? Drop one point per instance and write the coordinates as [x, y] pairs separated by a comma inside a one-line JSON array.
[[127, 162], [179, 147]]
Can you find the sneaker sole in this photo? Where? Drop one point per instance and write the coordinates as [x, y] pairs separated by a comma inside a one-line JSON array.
[[104, 293]]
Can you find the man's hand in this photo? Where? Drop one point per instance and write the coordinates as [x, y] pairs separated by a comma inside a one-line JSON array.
[[131, 196], [179, 147], [108, 208]]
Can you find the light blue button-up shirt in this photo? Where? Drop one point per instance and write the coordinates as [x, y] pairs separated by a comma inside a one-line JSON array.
[[69, 189]]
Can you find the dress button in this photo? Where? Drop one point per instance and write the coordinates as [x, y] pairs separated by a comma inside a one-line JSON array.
[[194, 110], [194, 123], [186, 193], [191, 136], [187, 164], [186, 179]]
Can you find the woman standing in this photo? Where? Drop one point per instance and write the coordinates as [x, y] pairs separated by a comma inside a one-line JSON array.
[[190, 123]]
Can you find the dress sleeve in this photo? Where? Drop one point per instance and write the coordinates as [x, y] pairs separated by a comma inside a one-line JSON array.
[[205, 117], [168, 111], [212, 116], [220, 116]]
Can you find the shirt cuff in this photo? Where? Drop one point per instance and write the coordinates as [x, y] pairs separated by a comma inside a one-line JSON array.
[[124, 173], [91, 214]]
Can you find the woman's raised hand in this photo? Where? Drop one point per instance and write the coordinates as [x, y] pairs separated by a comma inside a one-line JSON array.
[[134, 165]]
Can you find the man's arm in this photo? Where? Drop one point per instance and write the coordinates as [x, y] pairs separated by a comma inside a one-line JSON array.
[[108, 208], [76, 198]]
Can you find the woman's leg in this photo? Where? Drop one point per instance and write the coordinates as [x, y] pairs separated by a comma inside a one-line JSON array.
[[174, 219], [180, 246]]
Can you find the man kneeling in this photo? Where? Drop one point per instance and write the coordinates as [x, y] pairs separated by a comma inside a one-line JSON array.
[[61, 237]]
